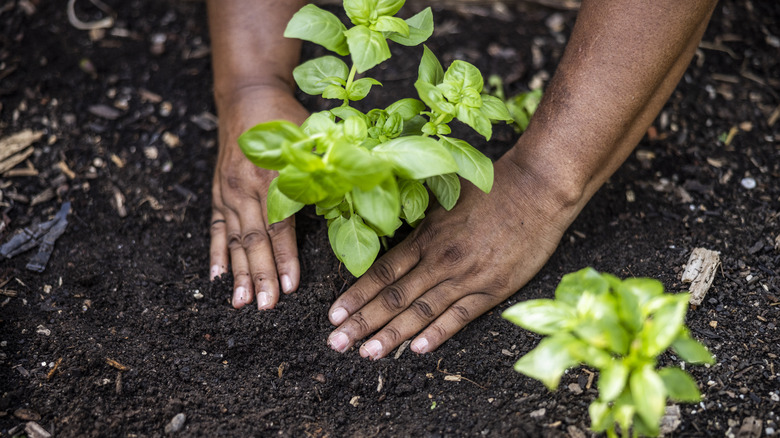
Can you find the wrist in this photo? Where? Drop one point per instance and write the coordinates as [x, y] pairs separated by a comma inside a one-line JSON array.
[[234, 91]]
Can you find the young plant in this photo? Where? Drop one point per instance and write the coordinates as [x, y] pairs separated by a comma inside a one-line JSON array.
[[521, 106], [366, 171], [619, 328]]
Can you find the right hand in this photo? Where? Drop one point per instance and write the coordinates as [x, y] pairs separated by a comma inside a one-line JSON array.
[[263, 256]]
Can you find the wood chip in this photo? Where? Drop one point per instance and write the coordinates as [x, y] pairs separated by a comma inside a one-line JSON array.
[[751, 428], [35, 430], [700, 271], [16, 142], [104, 111], [116, 364], [406, 343], [453, 378], [54, 369], [11, 162], [63, 166]]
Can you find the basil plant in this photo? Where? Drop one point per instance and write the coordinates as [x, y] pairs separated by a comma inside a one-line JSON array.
[[367, 171], [618, 327]]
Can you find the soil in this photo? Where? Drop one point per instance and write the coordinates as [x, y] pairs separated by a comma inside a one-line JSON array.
[[123, 330]]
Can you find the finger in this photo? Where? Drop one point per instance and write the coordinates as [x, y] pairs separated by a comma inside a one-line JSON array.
[[420, 313], [242, 282], [218, 251], [388, 303], [384, 272], [285, 250], [259, 254], [452, 320]]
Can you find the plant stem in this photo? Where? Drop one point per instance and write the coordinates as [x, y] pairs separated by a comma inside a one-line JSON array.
[[350, 79]]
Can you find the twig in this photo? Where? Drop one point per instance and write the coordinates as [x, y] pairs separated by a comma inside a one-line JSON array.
[[83, 25]]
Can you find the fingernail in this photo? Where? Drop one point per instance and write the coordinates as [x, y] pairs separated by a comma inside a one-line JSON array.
[[420, 345], [263, 300], [241, 295], [371, 349], [286, 284], [215, 272], [338, 341], [338, 315]]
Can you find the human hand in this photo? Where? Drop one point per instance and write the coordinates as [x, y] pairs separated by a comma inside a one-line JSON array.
[[455, 266], [263, 256]]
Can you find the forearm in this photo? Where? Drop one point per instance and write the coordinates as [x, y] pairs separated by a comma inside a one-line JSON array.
[[248, 46], [623, 61]]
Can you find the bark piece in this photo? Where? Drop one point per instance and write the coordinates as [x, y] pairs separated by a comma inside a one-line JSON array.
[[751, 428], [700, 271], [16, 142]]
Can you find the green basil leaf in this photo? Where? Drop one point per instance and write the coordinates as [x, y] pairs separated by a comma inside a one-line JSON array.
[[359, 11], [406, 108], [279, 206], [691, 351], [604, 334], [329, 213], [310, 76], [472, 164], [523, 106], [623, 411], [262, 144], [388, 7], [573, 285], [548, 360], [413, 126], [680, 386], [361, 87], [319, 122], [474, 118], [649, 395], [354, 243], [300, 155], [420, 29], [319, 26], [645, 289], [464, 75], [300, 186], [600, 416], [416, 157], [345, 112], [546, 317], [334, 92], [433, 97], [368, 47], [391, 24], [494, 109], [357, 165], [612, 380], [665, 325], [414, 200], [379, 206], [430, 70], [355, 129], [446, 188]]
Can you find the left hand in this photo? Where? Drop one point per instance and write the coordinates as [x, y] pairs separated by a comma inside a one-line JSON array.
[[455, 266]]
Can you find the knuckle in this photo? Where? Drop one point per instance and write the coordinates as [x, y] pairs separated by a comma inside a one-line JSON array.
[[437, 333], [253, 239], [234, 241], [392, 334], [240, 274], [461, 313], [393, 298], [422, 309], [233, 182], [382, 272], [278, 228], [360, 322], [217, 228], [452, 255]]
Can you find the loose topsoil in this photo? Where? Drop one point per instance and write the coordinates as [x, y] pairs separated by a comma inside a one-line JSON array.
[[123, 330]]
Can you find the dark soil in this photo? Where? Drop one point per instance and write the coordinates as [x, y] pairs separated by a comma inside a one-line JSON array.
[[126, 289]]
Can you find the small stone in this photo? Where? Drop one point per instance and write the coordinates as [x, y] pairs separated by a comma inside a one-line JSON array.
[[35, 430], [671, 420], [748, 183], [197, 295], [575, 388], [319, 378], [539, 413], [176, 423], [41, 330], [354, 401], [104, 111], [27, 414]]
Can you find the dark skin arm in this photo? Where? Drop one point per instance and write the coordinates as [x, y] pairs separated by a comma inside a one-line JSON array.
[[622, 63], [253, 83]]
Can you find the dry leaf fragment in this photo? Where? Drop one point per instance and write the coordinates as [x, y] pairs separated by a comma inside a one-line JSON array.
[[116, 364]]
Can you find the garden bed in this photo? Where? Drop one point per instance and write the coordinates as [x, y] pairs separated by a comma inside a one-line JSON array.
[[123, 330]]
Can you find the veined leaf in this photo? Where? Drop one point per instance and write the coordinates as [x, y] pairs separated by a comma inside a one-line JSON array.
[[446, 188], [388, 7], [476, 119], [391, 25], [368, 47], [494, 109], [665, 325], [612, 380], [649, 394], [430, 70], [548, 360], [414, 200], [310, 76], [464, 75], [473, 165], [545, 317], [279, 206], [319, 26], [354, 243], [262, 144], [357, 165], [433, 97], [379, 206], [406, 108], [573, 285], [692, 351], [359, 11], [360, 88], [420, 29], [416, 157]]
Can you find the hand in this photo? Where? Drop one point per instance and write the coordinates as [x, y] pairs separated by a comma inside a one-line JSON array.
[[455, 266], [262, 255]]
